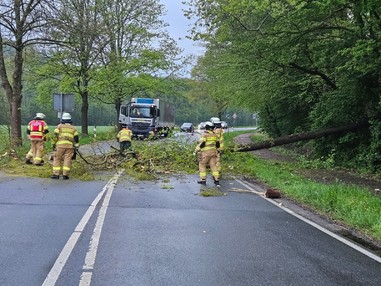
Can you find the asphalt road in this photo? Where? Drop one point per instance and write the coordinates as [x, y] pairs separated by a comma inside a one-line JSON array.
[[121, 232]]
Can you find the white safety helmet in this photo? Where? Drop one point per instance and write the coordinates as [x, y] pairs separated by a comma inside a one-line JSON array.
[[66, 116], [215, 120], [40, 115], [209, 125]]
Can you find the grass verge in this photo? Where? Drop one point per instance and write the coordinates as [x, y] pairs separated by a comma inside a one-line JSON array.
[[351, 205], [12, 161]]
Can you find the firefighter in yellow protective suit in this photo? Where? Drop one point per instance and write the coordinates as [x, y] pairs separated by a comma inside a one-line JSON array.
[[124, 138], [220, 133], [207, 149], [36, 130], [66, 141]]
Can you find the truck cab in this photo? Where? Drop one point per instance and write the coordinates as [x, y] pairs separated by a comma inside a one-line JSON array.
[[142, 116]]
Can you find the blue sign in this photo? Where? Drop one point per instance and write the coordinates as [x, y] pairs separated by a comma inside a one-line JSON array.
[[144, 100]]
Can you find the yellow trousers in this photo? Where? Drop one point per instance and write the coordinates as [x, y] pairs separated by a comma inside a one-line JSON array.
[[62, 156], [36, 151], [205, 158]]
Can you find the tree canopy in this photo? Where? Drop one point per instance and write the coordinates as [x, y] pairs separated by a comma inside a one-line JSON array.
[[105, 50], [22, 24], [303, 65]]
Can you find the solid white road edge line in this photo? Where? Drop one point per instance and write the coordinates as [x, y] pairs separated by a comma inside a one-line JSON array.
[[91, 254], [341, 239], [62, 258]]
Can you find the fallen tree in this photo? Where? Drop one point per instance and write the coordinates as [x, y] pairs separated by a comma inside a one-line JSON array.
[[303, 136]]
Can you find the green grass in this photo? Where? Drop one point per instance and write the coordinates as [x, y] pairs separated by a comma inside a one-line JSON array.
[[102, 133], [211, 192], [167, 187], [4, 136], [13, 163], [352, 205]]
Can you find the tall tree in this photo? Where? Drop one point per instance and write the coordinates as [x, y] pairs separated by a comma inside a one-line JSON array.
[[21, 24], [109, 49], [304, 64], [211, 72], [139, 53], [79, 34]]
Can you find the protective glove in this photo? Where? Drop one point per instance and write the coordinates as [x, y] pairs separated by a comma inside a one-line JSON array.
[[76, 145]]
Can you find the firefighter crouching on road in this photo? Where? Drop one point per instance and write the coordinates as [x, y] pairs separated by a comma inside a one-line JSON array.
[[124, 138], [36, 130], [66, 141], [220, 133], [208, 145]]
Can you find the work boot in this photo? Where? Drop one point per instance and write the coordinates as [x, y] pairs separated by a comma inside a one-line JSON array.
[[217, 182], [65, 177], [55, 177], [27, 161], [40, 164], [202, 182]]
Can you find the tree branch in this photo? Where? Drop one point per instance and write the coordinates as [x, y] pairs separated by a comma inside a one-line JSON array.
[[315, 72]]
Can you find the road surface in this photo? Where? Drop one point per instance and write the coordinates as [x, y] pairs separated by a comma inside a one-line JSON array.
[[116, 231]]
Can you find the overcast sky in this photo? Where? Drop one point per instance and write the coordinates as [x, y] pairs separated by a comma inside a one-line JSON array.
[[179, 26]]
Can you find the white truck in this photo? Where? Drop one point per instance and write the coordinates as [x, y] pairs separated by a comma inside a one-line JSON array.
[[147, 117]]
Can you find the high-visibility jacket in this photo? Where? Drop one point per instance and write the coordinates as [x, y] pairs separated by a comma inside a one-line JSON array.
[[220, 133], [66, 136], [124, 135], [208, 141], [37, 129]]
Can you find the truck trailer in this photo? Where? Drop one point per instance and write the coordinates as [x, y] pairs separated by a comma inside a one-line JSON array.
[[147, 117]]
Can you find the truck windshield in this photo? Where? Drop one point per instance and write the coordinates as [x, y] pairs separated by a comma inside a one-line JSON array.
[[138, 111]]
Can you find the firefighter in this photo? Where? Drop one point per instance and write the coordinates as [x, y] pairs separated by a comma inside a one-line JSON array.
[[124, 138], [36, 130], [220, 133], [207, 154], [66, 142]]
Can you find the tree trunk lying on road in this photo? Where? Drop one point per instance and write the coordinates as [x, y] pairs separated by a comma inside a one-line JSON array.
[[302, 136]]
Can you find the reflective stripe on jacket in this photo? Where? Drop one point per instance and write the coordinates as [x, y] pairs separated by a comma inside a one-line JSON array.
[[37, 129], [220, 134], [124, 135], [66, 135], [208, 141]]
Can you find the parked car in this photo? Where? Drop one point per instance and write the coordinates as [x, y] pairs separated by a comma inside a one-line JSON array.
[[201, 126], [187, 127], [224, 125]]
